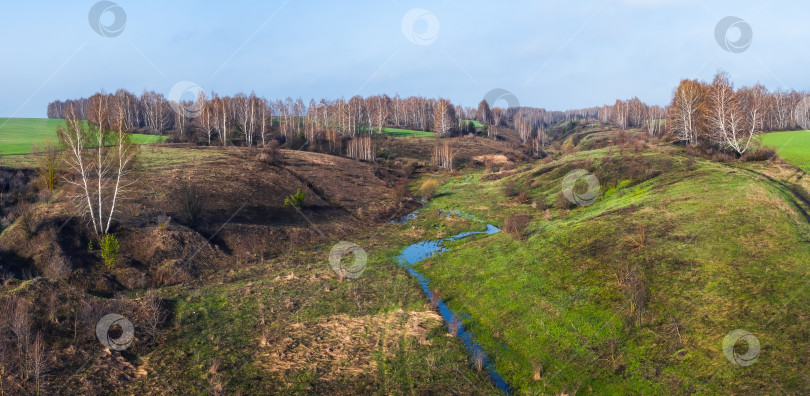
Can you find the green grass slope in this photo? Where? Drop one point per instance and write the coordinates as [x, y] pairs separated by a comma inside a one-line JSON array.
[[18, 135], [635, 293]]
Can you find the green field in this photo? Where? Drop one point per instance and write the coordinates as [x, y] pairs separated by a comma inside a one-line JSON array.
[[406, 133], [477, 124], [793, 146], [18, 135], [395, 132]]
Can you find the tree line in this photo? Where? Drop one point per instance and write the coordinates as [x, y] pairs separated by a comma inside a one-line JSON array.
[[251, 119], [713, 113], [634, 113], [719, 114], [254, 121]]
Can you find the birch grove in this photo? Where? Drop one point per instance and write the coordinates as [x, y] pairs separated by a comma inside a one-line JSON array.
[[720, 115]]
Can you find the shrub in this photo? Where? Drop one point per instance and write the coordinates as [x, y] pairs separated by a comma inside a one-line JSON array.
[[522, 198], [428, 188], [562, 202], [759, 154], [400, 191], [296, 199], [540, 203], [189, 203], [722, 157], [509, 188], [567, 147], [516, 224], [57, 267], [109, 250], [47, 164], [269, 153], [28, 224]]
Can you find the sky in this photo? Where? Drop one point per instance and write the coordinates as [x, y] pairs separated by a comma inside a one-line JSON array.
[[561, 54]]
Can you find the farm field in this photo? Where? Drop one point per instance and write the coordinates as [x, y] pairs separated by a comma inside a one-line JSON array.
[[18, 135], [793, 146]]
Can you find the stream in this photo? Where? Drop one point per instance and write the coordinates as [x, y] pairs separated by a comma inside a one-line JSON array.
[[416, 253]]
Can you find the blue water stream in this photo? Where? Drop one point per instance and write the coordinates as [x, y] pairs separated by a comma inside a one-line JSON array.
[[414, 254]]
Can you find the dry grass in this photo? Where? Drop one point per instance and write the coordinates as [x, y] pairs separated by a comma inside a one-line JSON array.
[[428, 188], [344, 345]]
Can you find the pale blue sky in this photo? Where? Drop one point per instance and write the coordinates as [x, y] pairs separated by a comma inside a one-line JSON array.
[[555, 54]]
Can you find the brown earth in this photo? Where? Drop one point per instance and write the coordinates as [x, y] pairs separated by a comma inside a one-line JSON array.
[[341, 346]]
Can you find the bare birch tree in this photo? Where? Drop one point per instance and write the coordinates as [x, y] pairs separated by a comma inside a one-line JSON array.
[[101, 159], [38, 360], [444, 118], [685, 111]]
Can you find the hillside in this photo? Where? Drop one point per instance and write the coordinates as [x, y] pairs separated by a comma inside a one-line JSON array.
[[251, 302], [632, 294], [635, 293]]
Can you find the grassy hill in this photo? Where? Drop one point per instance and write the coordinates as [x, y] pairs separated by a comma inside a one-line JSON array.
[[18, 135], [635, 293]]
